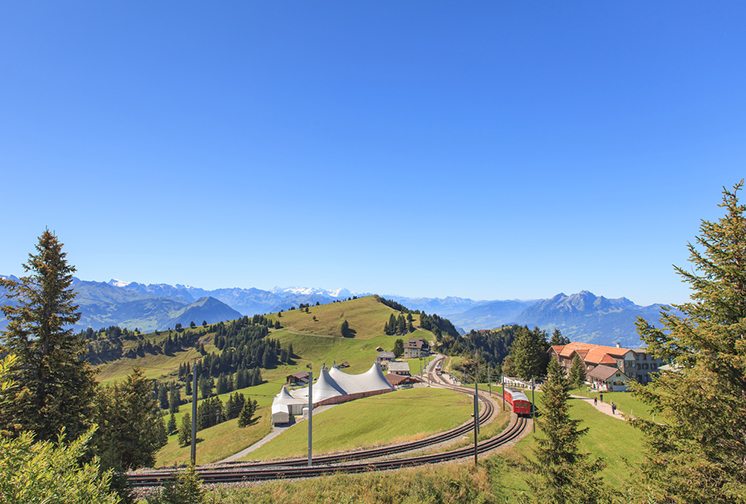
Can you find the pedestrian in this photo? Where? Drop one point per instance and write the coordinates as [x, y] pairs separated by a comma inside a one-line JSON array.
[[613, 408], [602, 396], [595, 401]]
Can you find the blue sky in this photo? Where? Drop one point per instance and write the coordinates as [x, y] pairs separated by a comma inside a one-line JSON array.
[[489, 150]]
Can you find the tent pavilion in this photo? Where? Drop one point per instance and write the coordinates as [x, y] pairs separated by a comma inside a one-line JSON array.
[[332, 387]]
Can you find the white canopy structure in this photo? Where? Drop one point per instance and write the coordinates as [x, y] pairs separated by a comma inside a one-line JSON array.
[[371, 381], [332, 386]]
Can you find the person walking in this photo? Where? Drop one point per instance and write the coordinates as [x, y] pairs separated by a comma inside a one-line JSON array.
[[595, 401], [613, 408], [602, 396]]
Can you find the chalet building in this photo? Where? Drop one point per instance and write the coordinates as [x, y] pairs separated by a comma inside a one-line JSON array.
[[384, 357], [401, 381], [608, 368], [399, 368], [416, 347], [299, 378]]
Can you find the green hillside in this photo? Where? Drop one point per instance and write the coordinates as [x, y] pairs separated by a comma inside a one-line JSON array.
[[373, 421], [315, 342], [366, 316]]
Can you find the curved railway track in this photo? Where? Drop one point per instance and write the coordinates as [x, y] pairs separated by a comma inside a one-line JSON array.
[[341, 463]]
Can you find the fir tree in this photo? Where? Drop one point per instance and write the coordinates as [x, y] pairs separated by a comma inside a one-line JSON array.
[[345, 330], [529, 353], [185, 489], [565, 474], [398, 347], [577, 372], [174, 398], [185, 430], [130, 424], [171, 428], [697, 445], [56, 386], [558, 338], [246, 417]]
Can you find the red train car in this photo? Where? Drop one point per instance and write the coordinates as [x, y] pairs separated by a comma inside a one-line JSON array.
[[518, 400]]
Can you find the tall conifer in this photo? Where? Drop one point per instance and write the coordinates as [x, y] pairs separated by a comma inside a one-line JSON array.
[[697, 443], [565, 474], [56, 386]]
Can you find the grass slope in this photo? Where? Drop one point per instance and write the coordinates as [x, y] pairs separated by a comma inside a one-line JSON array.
[[625, 402], [365, 315], [399, 416], [498, 478]]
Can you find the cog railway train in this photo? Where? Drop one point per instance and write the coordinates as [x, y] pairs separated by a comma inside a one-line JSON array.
[[518, 401]]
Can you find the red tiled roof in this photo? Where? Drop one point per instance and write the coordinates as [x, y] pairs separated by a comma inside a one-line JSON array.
[[396, 380], [595, 354]]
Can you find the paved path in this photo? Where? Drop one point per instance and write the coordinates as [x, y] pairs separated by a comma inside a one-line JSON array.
[[603, 407], [276, 431]]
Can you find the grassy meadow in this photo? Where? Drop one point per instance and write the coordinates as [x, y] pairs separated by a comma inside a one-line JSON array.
[[403, 415]]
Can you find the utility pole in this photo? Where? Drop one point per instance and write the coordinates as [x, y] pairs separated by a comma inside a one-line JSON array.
[[310, 417], [503, 376], [476, 417], [489, 379], [533, 407], [194, 414]]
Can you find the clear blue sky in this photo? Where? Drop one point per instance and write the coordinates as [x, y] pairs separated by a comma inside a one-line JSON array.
[[491, 150]]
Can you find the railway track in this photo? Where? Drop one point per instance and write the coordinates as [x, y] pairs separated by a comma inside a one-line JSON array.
[[335, 463]]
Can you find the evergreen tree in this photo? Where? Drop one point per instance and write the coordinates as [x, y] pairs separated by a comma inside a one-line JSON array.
[[185, 430], [565, 474], [56, 386], [185, 489], [171, 428], [162, 396], [529, 353], [345, 330], [398, 347], [246, 417], [390, 327], [130, 424], [697, 445], [401, 325], [174, 398], [577, 372], [558, 338], [205, 386]]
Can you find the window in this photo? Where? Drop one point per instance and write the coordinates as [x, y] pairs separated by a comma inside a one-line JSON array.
[[645, 366]]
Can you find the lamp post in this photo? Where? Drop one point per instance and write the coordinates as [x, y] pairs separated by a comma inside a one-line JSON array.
[[310, 415], [533, 407], [193, 453]]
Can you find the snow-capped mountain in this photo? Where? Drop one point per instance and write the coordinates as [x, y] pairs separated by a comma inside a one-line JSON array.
[[582, 316]]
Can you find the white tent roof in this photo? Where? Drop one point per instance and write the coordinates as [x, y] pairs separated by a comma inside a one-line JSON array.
[[284, 397], [324, 388], [370, 381]]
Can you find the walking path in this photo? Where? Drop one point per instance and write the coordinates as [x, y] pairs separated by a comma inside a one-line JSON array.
[[276, 431], [603, 407]]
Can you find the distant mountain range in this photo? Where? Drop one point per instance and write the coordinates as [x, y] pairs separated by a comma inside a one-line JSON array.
[[582, 316]]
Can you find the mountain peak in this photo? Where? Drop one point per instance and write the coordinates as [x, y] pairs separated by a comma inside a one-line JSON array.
[[118, 283]]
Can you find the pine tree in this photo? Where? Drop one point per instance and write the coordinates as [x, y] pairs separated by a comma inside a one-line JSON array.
[[345, 329], [186, 489], [56, 386], [528, 353], [130, 424], [185, 430], [697, 444], [171, 424], [247, 413], [174, 398], [163, 396], [398, 347], [558, 338], [577, 372], [565, 474], [401, 325]]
